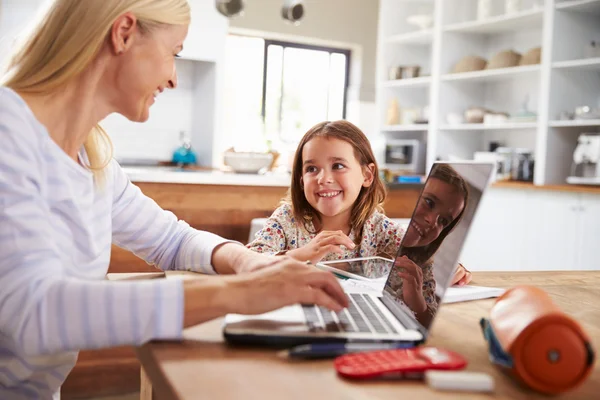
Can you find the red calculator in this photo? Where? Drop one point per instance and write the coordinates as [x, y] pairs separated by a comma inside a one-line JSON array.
[[407, 363]]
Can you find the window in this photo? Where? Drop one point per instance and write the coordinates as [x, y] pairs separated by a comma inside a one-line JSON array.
[[277, 90]]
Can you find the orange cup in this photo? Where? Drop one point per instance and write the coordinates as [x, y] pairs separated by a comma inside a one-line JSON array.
[[536, 342]]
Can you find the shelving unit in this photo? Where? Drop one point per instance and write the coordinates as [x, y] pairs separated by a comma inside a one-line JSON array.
[[578, 123], [567, 76], [406, 128], [493, 75], [417, 37], [528, 19], [592, 64], [583, 6], [410, 82], [490, 127]]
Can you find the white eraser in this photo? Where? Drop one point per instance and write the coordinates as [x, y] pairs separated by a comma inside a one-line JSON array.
[[459, 381]]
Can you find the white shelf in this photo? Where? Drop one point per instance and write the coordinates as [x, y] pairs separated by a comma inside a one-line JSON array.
[[584, 6], [530, 19], [584, 64], [492, 75], [405, 128], [490, 127], [574, 123], [423, 37], [410, 82]]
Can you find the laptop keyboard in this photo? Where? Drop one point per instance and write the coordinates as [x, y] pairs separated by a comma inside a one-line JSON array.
[[362, 315]]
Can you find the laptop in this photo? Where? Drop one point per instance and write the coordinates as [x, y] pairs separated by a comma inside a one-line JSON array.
[[386, 317]]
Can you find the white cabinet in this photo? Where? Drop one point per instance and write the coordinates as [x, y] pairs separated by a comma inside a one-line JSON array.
[[534, 230], [207, 32], [589, 241]]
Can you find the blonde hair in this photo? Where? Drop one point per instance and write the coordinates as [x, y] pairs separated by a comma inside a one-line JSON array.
[[68, 38], [370, 199]]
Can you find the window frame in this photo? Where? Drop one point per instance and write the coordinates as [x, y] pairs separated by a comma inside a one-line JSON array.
[[284, 44]]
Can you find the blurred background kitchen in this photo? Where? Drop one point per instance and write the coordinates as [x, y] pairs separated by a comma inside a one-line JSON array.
[[515, 82]]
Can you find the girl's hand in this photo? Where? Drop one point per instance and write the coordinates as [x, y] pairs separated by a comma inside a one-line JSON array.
[[285, 282], [412, 284], [324, 243], [462, 276]]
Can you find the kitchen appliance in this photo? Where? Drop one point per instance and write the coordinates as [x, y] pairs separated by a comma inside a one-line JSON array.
[[522, 165], [585, 169], [405, 155]]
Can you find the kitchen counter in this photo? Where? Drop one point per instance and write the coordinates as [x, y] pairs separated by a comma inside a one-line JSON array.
[[175, 175], [165, 174]]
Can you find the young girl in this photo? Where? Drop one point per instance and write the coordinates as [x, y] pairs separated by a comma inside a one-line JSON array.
[[333, 208]]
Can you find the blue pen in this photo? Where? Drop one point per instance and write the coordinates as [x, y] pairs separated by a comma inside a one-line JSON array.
[[331, 350]]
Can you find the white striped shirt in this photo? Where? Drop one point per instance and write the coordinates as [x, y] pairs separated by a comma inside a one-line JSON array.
[[56, 230]]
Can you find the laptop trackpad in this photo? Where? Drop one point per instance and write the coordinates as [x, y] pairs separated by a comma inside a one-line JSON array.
[[288, 319]]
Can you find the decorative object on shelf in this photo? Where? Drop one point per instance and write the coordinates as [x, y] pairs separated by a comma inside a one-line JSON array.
[[504, 59], [393, 112], [454, 118], [587, 112], [395, 73], [585, 168], [184, 154], [410, 72], [230, 8], [422, 22], [592, 49], [484, 9], [423, 116], [494, 118], [532, 57], [247, 162], [470, 63], [512, 6], [293, 10], [475, 115], [524, 114], [409, 116]]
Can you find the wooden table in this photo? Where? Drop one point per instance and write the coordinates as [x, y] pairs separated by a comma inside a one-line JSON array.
[[202, 366]]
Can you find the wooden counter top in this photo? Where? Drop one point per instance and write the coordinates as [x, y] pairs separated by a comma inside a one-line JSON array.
[[556, 188]]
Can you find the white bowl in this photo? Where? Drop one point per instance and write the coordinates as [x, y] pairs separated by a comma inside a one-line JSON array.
[[247, 162], [424, 21]]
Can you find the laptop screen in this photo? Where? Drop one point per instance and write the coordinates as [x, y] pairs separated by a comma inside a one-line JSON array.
[[430, 249]]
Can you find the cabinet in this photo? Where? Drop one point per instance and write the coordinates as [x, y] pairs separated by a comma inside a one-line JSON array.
[[534, 230], [207, 32], [566, 76]]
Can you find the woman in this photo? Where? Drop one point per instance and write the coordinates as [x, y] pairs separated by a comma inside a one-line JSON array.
[[63, 201], [440, 209]]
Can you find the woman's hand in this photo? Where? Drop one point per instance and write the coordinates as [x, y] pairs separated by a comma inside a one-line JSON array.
[[462, 276], [324, 243], [286, 281], [412, 284]]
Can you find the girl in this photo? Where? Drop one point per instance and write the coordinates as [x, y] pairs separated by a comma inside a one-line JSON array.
[[333, 209]]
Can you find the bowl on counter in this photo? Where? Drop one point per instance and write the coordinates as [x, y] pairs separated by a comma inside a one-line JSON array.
[[247, 162]]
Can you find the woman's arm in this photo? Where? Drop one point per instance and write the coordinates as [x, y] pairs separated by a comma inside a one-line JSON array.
[[156, 235]]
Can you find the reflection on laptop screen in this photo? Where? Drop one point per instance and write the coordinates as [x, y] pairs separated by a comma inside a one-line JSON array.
[[432, 242]]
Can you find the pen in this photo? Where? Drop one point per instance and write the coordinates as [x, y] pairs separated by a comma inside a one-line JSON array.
[[331, 350]]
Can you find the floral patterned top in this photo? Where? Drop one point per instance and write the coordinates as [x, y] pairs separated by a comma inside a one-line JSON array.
[[381, 237]]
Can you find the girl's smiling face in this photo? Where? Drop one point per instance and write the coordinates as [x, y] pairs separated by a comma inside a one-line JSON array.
[[439, 205], [332, 177]]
